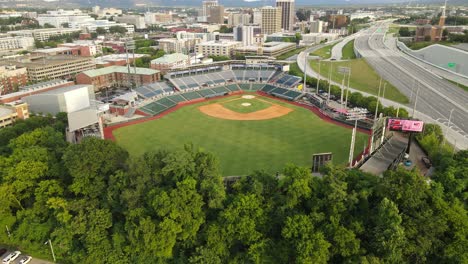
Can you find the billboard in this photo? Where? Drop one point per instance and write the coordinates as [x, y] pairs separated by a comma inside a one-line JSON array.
[[405, 125]]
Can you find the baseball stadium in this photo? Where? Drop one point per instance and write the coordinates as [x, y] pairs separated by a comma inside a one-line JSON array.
[[251, 116]]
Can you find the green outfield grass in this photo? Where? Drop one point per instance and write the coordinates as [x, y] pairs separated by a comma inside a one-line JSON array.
[[363, 77], [255, 105], [243, 146], [348, 51]]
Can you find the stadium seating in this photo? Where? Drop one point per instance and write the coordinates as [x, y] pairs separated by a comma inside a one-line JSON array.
[[176, 98], [206, 92], [220, 89], [257, 87], [154, 89], [245, 87], [166, 102], [191, 96], [154, 108], [233, 87]]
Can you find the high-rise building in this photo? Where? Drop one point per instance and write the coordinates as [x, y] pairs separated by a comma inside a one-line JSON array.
[[257, 17], [216, 15], [248, 34], [316, 26], [287, 14], [238, 19], [271, 20], [206, 7]]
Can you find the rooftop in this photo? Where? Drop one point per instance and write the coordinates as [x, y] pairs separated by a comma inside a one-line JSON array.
[[40, 61], [5, 110], [170, 58], [118, 69]]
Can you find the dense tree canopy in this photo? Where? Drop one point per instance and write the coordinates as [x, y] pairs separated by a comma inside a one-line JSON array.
[[100, 205]]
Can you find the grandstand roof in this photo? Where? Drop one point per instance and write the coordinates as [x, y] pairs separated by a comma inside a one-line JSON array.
[[170, 58], [119, 69]]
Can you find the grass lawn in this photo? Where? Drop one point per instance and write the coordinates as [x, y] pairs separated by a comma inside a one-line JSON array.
[[348, 51], [363, 78], [464, 87], [423, 44], [243, 146], [290, 53], [324, 53], [255, 105]]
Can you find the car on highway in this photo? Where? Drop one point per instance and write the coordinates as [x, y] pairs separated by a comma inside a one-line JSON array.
[[11, 257], [25, 259], [2, 251]]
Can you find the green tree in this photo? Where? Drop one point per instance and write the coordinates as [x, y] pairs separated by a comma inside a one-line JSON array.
[[388, 233], [117, 29], [101, 31]]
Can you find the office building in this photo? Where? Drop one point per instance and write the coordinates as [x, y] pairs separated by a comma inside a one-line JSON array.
[[117, 76], [12, 112], [316, 38], [287, 14], [106, 12], [54, 67], [337, 21], [316, 26], [235, 19], [206, 9], [216, 15], [170, 45], [271, 20], [217, 48], [136, 20], [170, 61], [257, 17], [16, 43], [43, 34], [270, 49], [248, 34]]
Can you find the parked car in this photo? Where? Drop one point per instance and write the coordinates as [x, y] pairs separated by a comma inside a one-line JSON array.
[[25, 259], [2, 251], [427, 162], [11, 257]]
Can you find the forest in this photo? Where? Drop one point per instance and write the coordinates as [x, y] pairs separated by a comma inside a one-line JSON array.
[[97, 204]]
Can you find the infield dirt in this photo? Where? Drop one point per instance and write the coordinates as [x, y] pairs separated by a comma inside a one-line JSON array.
[[219, 111]]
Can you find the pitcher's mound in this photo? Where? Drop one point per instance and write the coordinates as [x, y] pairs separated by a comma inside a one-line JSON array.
[[248, 96], [246, 104]]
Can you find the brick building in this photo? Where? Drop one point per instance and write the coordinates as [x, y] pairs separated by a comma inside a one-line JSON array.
[[117, 76], [11, 77]]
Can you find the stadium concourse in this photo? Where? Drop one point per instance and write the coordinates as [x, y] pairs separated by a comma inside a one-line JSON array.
[[198, 84]]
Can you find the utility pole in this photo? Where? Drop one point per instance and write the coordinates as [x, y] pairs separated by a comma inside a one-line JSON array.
[[342, 91], [318, 79], [448, 124], [51, 248], [347, 89], [375, 119], [8, 231], [416, 100], [354, 115], [329, 83]]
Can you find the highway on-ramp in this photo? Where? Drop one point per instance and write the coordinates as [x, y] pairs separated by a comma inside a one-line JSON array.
[[436, 97]]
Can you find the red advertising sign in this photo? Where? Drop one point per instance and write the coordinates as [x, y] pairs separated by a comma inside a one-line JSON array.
[[405, 125]]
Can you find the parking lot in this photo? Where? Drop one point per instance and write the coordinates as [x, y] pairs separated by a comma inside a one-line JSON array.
[[17, 260]]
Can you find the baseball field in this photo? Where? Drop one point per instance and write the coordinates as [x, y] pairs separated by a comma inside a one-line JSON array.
[[246, 132]]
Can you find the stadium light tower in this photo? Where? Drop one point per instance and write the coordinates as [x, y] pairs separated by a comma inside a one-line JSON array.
[[354, 115]]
